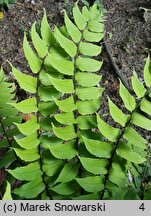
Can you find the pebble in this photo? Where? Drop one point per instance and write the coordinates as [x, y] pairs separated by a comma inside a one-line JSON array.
[[30, 1]]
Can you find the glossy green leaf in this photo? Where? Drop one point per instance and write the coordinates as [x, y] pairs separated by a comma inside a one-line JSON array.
[[72, 29], [62, 85], [66, 105], [33, 60], [9, 120], [28, 127], [138, 87], [117, 175], [7, 159], [68, 173], [65, 43], [117, 192], [44, 196], [127, 98], [27, 173], [8, 111], [3, 143], [64, 188], [95, 13], [51, 166], [147, 194], [65, 118], [7, 194], [51, 140], [92, 36], [145, 106], [31, 190], [134, 138], [98, 148], [28, 142], [61, 65], [93, 196], [27, 155], [87, 64], [6, 97], [7, 90], [96, 26], [94, 165], [126, 152], [6, 94], [131, 194], [88, 107], [26, 82], [91, 184], [147, 72], [79, 19], [46, 93], [64, 133], [89, 93], [5, 84], [64, 151], [87, 79], [86, 13], [46, 124], [141, 121], [26, 106], [108, 131], [46, 32], [86, 122], [57, 52], [47, 108], [117, 114], [12, 132], [44, 78], [39, 44], [89, 49]]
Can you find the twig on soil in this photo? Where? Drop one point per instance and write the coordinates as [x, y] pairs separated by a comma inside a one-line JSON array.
[[115, 67]]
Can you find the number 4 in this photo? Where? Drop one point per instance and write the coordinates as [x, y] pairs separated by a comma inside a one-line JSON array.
[[142, 207]]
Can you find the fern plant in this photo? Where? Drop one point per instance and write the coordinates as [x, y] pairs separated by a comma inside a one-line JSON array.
[[8, 114], [68, 151], [127, 147], [64, 82]]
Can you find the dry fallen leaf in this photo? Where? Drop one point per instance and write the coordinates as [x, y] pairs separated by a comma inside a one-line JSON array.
[[1, 15]]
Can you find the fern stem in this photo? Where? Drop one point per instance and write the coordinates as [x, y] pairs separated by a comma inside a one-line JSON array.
[[38, 116], [10, 143], [118, 140], [76, 113], [4, 132]]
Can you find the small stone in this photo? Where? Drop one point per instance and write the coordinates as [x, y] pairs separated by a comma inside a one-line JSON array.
[[33, 2]]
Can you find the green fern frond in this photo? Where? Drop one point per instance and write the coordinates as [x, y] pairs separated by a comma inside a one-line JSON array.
[[68, 150], [63, 80], [8, 114], [127, 142]]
